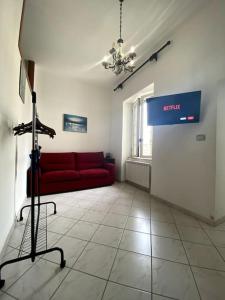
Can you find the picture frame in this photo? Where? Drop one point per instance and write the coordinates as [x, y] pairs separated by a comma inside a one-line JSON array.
[[74, 123], [22, 81]]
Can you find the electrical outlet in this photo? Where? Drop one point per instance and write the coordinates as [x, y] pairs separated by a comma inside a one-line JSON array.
[[200, 137]]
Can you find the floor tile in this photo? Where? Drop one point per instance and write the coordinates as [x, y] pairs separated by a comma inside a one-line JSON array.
[[138, 224], [204, 256], [211, 284], [167, 248], [83, 230], [140, 213], [132, 269], [61, 225], [4, 296], [195, 235], [96, 260], [51, 217], [124, 201], [93, 216], [72, 249], [80, 286], [221, 251], [109, 236], [185, 220], [157, 297], [39, 282], [118, 292], [136, 242], [173, 280], [217, 237], [101, 207], [61, 207], [74, 213], [17, 235], [84, 204], [52, 238], [162, 215], [141, 204], [164, 229], [8, 250], [115, 220], [120, 209], [12, 272]]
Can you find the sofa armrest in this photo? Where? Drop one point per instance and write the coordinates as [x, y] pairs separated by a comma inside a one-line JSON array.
[[111, 168]]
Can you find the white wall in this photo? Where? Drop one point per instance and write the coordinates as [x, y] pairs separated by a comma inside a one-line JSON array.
[[220, 153], [183, 170], [57, 95], [13, 151], [126, 136]]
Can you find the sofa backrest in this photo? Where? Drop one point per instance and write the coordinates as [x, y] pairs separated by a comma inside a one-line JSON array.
[[57, 161], [89, 160]]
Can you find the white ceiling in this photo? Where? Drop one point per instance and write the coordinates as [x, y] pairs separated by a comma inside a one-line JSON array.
[[72, 36]]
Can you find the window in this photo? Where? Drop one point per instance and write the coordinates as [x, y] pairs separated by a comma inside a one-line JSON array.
[[141, 132]]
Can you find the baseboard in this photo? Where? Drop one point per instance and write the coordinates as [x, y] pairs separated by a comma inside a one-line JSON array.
[[2, 253], [138, 186], [219, 221], [186, 211]]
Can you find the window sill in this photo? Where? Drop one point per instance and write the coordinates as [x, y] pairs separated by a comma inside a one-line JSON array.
[[139, 160]]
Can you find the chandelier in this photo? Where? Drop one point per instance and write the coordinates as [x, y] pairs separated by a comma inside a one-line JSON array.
[[119, 61]]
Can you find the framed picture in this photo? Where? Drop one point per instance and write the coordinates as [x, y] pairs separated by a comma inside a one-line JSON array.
[[22, 81], [74, 123]]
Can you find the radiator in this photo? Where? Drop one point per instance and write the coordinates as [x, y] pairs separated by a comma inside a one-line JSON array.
[[138, 173]]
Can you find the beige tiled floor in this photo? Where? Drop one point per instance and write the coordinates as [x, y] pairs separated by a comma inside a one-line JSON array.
[[120, 245]]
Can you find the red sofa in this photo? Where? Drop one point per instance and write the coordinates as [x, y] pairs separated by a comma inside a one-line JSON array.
[[63, 172]]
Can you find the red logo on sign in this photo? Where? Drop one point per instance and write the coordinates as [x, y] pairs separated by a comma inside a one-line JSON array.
[[171, 107]]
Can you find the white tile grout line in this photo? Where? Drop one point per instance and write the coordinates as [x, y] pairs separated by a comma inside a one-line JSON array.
[[73, 264], [99, 243], [39, 257], [7, 294], [216, 246], [77, 220], [103, 294], [187, 256]]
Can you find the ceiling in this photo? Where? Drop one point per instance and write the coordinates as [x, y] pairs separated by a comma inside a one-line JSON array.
[[73, 36]]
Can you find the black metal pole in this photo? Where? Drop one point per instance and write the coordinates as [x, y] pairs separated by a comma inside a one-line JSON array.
[[34, 164], [154, 56], [33, 246]]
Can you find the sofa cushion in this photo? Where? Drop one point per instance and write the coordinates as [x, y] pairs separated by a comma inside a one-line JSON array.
[[94, 173], [59, 176], [89, 160], [57, 161]]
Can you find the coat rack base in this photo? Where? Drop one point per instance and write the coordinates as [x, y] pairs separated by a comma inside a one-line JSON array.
[[32, 257], [38, 204]]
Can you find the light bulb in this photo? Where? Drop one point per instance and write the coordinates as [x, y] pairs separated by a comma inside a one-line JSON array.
[[105, 58], [132, 63]]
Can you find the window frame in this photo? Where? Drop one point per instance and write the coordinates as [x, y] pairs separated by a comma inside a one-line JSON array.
[[139, 129]]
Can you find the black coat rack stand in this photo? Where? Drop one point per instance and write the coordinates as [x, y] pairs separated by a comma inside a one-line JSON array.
[[35, 233]]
